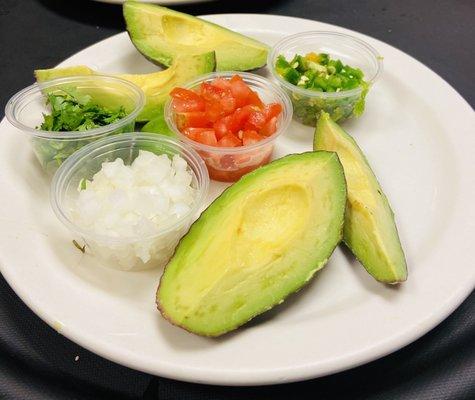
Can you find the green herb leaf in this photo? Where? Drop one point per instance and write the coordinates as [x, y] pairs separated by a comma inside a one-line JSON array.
[[73, 111]]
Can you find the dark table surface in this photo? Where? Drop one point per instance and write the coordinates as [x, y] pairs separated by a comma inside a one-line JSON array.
[[38, 363]]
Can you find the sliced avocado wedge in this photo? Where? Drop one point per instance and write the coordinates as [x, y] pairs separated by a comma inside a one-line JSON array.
[[43, 75], [261, 240], [161, 35], [156, 85], [370, 230], [158, 125]]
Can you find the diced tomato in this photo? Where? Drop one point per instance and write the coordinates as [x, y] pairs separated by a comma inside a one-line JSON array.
[[240, 117], [229, 140], [196, 119], [207, 136], [228, 103], [202, 135], [185, 100], [221, 83], [227, 162], [272, 110], [184, 94], [191, 132], [269, 127], [250, 137], [181, 106], [255, 100], [240, 90], [213, 111], [255, 121], [222, 126], [210, 92], [226, 113], [230, 171], [242, 158]]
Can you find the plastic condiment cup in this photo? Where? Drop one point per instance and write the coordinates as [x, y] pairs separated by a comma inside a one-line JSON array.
[[118, 251], [26, 108], [228, 164], [350, 50]]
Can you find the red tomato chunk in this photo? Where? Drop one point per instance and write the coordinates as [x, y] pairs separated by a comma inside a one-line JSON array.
[[224, 113]]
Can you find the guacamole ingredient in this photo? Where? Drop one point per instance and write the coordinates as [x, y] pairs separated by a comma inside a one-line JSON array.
[[261, 240], [44, 75], [158, 125], [155, 85], [319, 72], [161, 35], [370, 230], [72, 111], [224, 113], [316, 74], [134, 203]]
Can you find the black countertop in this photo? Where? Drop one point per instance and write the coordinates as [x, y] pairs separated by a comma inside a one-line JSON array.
[[38, 363]]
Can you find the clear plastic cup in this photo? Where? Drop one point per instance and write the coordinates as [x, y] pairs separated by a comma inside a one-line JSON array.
[[354, 52], [228, 164], [25, 111], [125, 252]]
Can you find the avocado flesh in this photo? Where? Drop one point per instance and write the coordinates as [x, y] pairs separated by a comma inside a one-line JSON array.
[[161, 34], [261, 240], [370, 230], [158, 125], [155, 85]]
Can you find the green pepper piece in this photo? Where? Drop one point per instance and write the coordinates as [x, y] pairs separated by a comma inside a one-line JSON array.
[[291, 75], [323, 58], [281, 64], [335, 82], [320, 82]]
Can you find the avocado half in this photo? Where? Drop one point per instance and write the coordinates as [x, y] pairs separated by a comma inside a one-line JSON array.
[[370, 230], [156, 85], [161, 35], [261, 240]]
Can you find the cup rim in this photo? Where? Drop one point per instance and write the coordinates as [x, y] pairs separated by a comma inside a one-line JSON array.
[[249, 79], [62, 175], [39, 86], [312, 93]]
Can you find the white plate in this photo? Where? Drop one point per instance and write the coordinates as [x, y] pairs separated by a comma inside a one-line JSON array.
[[418, 135]]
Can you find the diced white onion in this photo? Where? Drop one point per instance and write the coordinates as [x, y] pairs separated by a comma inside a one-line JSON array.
[[136, 202]]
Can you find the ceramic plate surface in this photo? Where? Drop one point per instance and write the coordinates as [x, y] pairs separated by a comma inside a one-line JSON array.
[[418, 134]]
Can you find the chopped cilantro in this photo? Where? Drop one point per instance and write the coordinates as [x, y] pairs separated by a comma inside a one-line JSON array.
[[74, 112]]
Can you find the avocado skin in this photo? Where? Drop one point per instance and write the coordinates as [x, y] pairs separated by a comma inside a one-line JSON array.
[[184, 69], [393, 268], [163, 56], [222, 200]]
